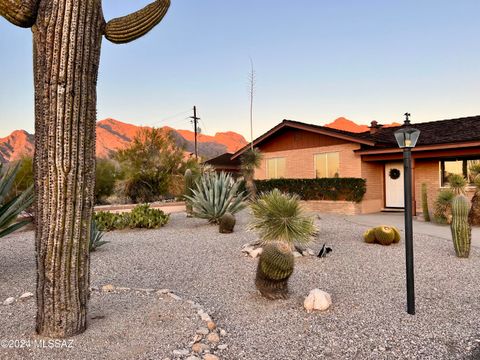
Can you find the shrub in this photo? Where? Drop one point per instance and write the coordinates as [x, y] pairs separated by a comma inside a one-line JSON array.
[[143, 216], [442, 206], [350, 189], [24, 175], [106, 174], [474, 214], [108, 221], [96, 236], [279, 217], [214, 195]]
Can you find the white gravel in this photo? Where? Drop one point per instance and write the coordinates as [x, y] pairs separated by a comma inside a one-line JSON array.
[[366, 321]]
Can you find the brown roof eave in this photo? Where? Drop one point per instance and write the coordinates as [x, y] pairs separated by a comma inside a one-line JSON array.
[[419, 148]]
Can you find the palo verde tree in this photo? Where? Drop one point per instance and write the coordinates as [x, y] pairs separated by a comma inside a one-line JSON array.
[[67, 36]]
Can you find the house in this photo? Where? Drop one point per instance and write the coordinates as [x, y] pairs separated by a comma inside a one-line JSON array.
[[225, 163], [294, 149]]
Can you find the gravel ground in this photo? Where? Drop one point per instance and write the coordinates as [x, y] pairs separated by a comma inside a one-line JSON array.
[[367, 284]]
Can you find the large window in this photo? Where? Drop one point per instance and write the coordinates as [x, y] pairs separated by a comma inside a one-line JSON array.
[[327, 165], [457, 166], [275, 168]]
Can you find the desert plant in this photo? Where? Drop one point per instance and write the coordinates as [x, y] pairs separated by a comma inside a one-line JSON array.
[[214, 195], [227, 223], [383, 234], [106, 174], [251, 160], [189, 184], [24, 177], [11, 206], [275, 267], [457, 183], [461, 229], [280, 217], [369, 236], [143, 216], [426, 213], [442, 206], [474, 214], [96, 236], [108, 221]]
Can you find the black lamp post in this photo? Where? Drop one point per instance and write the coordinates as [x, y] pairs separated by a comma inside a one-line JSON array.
[[407, 138]]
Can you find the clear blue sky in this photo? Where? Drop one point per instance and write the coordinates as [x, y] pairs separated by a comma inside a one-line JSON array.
[[315, 60]]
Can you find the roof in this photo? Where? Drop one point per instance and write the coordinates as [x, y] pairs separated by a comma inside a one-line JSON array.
[[224, 160], [451, 131]]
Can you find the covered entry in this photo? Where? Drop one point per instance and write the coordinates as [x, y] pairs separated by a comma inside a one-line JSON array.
[[394, 196]]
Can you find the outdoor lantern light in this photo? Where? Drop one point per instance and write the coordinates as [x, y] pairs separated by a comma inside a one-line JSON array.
[[407, 138]]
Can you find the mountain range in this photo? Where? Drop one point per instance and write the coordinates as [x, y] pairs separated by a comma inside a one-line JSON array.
[[114, 135]]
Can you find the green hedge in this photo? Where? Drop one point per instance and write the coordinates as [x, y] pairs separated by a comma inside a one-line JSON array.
[[350, 189]]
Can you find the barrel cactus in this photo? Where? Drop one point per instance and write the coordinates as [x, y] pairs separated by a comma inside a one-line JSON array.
[[274, 269], [189, 184], [397, 236], [384, 235], [461, 229], [227, 223], [369, 236]]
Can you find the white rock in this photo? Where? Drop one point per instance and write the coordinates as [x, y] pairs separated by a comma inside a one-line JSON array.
[[248, 249], [204, 316], [173, 296], [222, 347], [297, 254], [163, 291], [26, 296], [202, 331], [310, 252], [317, 300], [223, 332], [182, 352], [9, 301], [256, 252], [192, 358]]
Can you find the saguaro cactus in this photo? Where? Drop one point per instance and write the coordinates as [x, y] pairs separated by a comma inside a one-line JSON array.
[[67, 37], [461, 229], [189, 184], [426, 213]]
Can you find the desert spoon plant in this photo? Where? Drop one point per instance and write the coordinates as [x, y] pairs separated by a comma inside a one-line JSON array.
[[67, 36]]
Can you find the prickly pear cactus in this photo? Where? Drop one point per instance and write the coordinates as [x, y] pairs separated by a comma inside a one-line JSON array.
[[369, 236], [227, 223], [384, 234], [189, 183], [274, 269], [461, 229]]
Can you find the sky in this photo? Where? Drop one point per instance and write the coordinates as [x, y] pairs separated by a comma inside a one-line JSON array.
[[315, 60]]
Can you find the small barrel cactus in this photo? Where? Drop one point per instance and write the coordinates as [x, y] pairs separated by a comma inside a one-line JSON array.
[[189, 183], [274, 269], [461, 229], [397, 236], [369, 236], [227, 223], [384, 234]]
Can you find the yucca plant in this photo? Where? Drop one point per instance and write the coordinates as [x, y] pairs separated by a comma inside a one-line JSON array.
[[280, 217], [442, 211], [10, 208], [251, 160], [457, 183], [474, 214], [96, 236], [215, 194]]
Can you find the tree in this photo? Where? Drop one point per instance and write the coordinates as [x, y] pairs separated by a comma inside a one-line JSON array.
[[149, 165], [67, 36]]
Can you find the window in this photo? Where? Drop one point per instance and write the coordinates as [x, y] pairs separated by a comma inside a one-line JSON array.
[[275, 168], [457, 166], [327, 165]]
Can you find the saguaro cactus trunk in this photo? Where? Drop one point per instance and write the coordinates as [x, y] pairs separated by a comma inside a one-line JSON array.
[[67, 37]]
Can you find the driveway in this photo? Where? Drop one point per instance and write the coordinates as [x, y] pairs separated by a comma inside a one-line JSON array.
[[419, 227]]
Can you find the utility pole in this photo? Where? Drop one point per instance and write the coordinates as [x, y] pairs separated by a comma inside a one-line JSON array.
[[195, 127]]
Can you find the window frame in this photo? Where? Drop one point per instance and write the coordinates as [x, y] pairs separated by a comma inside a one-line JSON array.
[[276, 158], [326, 162], [441, 169]]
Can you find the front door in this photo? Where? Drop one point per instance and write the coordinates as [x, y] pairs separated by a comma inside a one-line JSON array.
[[394, 185]]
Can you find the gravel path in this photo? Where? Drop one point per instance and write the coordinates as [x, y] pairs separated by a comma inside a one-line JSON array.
[[367, 319]]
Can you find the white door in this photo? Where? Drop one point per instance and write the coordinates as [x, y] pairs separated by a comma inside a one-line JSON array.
[[394, 185]]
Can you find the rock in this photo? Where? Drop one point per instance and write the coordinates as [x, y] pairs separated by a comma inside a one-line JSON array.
[[256, 252], [213, 338], [108, 288], [223, 332], [297, 254], [210, 357], [317, 300], [192, 358], [26, 295], [182, 352], [163, 291], [175, 297], [222, 347], [122, 288], [197, 338], [211, 325], [247, 249], [202, 331], [310, 252], [203, 315], [199, 347], [9, 301]]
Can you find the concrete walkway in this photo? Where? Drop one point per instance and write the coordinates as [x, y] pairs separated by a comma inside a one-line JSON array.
[[419, 227]]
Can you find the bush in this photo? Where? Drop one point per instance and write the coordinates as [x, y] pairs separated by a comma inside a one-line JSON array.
[[350, 189], [96, 236], [214, 195], [442, 211], [106, 174], [24, 176], [141, 216], [279, 217]]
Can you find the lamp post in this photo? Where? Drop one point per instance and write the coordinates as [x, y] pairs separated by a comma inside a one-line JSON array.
[[407, 138]]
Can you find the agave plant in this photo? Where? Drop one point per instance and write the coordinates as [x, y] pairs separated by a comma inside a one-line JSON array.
[[96, 236], [279, 217], [214, 195], [10, 208]]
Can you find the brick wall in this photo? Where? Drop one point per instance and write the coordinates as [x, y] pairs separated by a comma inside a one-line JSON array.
[[373, 172]]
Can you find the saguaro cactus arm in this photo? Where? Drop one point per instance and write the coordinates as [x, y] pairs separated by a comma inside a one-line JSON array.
[[22, 13], [128, 28]]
